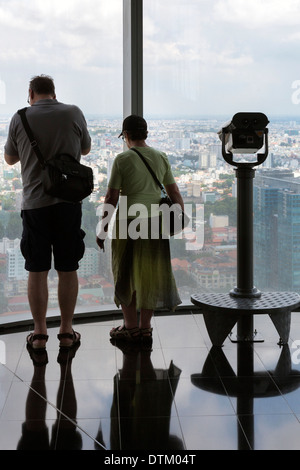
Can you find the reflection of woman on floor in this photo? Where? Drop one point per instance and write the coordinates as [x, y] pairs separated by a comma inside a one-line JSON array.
[[143, 398]]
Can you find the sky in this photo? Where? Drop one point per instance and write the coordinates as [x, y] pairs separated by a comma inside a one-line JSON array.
[[201, 57]]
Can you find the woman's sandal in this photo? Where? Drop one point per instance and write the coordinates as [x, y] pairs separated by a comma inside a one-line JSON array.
[[128, 334], [74, 336], [146, 334], [129, 348]]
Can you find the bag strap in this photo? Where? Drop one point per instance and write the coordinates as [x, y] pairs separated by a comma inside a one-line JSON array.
[[150, 170], [33, 143]]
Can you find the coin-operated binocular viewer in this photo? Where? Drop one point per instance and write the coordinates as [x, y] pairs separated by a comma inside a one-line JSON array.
[[245, 134]]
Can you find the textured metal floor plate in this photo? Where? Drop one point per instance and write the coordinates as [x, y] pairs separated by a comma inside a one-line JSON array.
[[267, 303]]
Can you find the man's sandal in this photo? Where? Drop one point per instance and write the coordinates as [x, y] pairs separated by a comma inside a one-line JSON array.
[[128, 334], [38, 355], [74, 336], [30, 340]]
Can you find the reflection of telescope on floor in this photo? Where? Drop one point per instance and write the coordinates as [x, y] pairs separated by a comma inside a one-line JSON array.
[[246, 384], [246, 133]]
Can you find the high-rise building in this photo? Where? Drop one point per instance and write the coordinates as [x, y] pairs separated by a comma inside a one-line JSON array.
[[277, 230], [89, 264], [289, 239], [15, 264], [265, 246]]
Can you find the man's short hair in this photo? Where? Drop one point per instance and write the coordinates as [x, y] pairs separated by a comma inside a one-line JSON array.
[[42, 85]]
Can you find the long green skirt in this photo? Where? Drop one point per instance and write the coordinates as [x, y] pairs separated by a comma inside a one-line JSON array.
[[143, 266]]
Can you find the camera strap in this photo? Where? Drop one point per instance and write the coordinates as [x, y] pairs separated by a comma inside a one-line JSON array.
[[33, 143], [150, 170]]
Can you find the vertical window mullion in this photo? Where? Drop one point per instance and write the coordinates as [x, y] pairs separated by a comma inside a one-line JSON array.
[[132, 57]]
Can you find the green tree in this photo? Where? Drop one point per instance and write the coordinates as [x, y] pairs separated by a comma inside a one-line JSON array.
[[14, 226], [89, 223], [2, 230], [225, 206]]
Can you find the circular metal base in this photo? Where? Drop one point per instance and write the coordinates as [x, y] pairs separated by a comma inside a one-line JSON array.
[[249, 293]]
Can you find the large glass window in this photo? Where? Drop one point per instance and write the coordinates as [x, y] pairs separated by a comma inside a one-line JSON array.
[[80, 45], [204, 61]]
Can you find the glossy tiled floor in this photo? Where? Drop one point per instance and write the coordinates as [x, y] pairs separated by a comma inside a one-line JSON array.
[[181, 394]]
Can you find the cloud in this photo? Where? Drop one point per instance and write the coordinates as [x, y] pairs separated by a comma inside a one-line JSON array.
[[17, 20], [78, 43], [65, 32], [197, 53], [258, 13]]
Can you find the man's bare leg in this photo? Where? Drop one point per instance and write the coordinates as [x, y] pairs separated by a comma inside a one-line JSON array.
[[67, 297], [38, 301]]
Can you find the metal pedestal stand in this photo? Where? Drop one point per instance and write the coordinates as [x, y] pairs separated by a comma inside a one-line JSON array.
[[222, 311]]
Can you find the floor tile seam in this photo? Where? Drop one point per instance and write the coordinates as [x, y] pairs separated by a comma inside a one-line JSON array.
[[274, 383], [75, 423], [256, 352], [185, 447], [286, 401], [7, 369], [64, 415], [184, 347], [262, 413], [199, 327], [228, 395], [6, 398], [273, 378], [204, 415], [176, 410], [17, 362], [265, 413], [244, 432], [153, 417], [48, 403], [118, 407], [156, 331], [14, 374]]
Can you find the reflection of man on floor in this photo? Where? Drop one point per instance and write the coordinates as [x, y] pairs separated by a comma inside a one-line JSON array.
[[35, 433]]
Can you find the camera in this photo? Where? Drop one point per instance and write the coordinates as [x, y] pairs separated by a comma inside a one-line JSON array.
[[245, 133]]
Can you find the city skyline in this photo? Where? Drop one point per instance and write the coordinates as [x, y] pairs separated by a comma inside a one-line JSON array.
[[205, 180]]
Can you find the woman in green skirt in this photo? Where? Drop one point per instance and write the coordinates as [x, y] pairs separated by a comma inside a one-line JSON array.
[[141, 261]]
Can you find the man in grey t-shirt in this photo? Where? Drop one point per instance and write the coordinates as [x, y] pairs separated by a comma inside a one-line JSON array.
[[50, 225]]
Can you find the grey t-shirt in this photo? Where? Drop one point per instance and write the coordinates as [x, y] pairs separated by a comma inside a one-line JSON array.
[[57, 128]]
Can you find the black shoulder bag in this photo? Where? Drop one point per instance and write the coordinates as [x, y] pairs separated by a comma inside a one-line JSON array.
[[62, 175], [175, 218]]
